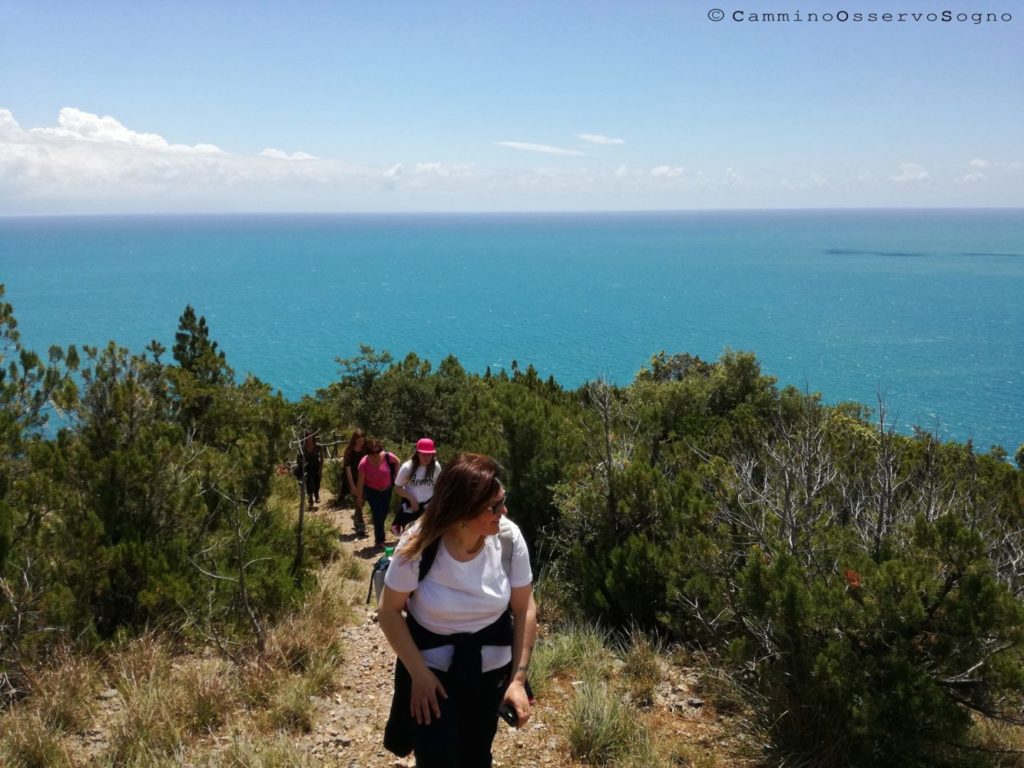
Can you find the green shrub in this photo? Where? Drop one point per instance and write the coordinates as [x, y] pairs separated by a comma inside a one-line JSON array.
[[334, 476], [864, 666], [321, 540]]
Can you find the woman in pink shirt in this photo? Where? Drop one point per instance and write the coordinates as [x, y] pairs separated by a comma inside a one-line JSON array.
[[377, 471]]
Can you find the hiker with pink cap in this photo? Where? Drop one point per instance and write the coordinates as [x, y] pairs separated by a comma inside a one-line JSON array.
[[415, 483]]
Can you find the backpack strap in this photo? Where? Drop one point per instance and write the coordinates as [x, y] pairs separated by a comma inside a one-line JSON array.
[[427, 557], [506, 535]]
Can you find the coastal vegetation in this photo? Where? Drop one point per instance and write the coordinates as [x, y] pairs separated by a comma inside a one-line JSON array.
[[857, 594]]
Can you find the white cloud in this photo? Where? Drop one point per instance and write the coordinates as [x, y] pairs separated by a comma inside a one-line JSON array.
[[444, 170], [7, 121], [598, 138], [278, 154], [996, 167], [91, 163], [85, 163], [988, 171], [910, 172], [667, 171], [543, 148], [76, 125], [814, 181]]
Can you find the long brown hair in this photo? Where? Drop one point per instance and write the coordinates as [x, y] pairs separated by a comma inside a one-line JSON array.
[[461, 491], [350, 449]]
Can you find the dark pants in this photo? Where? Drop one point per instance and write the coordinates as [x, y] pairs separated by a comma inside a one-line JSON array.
[[462, 736], [313, 486], [405, 517], [379, 502]]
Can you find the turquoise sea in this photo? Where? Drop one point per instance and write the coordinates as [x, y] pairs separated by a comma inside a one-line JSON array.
[[924, 307]]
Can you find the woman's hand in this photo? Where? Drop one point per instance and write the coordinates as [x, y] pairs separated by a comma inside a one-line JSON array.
[[423, 703], [515, 697]]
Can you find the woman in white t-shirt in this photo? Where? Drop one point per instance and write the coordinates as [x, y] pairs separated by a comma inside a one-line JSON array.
[[465, 644], [415, 483]]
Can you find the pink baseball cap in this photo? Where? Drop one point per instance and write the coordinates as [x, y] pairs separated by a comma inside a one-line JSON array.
[[425, 445]]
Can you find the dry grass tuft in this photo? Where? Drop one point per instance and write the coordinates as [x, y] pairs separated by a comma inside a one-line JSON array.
[[290, 708], [641, 669], [27, 742], [210, 694], [577, 649], [600, 728], [274, 752], [351, 568], [322, 671], [63, 693], [300, 641], [150, 725], [141, 658], [1004, 741]]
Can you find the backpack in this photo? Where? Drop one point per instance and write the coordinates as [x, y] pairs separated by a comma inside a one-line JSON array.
[[380, 568], [392, 465]]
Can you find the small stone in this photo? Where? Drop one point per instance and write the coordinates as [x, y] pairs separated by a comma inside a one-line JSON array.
[[110, 693]]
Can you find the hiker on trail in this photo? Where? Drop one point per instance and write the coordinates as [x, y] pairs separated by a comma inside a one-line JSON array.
[[377, 471], [310, 466], [354, 452], [465, 644], [415, 483]]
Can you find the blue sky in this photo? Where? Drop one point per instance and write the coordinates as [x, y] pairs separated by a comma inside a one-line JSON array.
[[119, 107]]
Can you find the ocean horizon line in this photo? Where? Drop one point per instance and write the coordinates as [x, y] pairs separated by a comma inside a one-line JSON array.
[[511, 213]]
